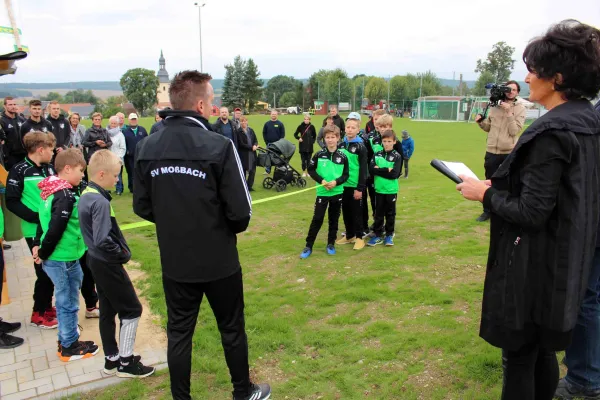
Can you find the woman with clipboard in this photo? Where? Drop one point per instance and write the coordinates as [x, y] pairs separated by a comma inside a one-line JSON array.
[[544, 219]]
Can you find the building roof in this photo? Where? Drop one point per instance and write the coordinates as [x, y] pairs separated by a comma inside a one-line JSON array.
[[163, 75], [84, 111], [67, 107]]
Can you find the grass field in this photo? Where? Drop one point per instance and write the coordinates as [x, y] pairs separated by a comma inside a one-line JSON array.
[[381, 323]]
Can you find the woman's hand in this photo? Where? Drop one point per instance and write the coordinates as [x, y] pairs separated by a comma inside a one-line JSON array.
[[472, 189]]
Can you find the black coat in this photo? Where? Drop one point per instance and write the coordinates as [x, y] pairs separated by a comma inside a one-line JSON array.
[[308, 135], [247, 156], [62, 130], [218, 127], [189, 182], [544, 204]]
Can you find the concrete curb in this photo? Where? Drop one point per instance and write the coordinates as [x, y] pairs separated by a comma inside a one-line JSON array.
[[88, 387]]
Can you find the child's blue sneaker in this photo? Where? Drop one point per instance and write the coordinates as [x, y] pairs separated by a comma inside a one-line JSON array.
[[306, 252], [330, 249], [389, 240], [375, 241]]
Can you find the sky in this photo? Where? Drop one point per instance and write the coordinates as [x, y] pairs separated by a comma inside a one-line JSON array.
[[90, 40]]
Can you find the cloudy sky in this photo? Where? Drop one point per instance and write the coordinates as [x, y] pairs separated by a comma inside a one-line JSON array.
[[84, 40]]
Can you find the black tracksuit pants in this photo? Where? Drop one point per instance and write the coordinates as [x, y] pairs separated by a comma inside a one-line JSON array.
[[385, 207], [370, 190], [117, 297], [491, 164], [321, 204], [352, 211], [88, 286], [43, 289], [226, 298], [128, 161]]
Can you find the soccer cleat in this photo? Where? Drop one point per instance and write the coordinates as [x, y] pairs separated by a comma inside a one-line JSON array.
[[389, 240], [51, 313], [9, 342], [110, 367], [135, 369], [262, 391], [359, 244], [330, 249], [92, 312], [9, 327], [345, 240], [306, 253], [375, 241], [77, 351], [43, 322]]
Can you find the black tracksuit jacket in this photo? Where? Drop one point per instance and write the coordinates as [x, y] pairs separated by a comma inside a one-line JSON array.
[[189, 181]]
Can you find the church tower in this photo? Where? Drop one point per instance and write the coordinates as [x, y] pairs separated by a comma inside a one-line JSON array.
[[163, 82]]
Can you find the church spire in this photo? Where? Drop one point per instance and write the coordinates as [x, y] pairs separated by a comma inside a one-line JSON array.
[[163, 75]]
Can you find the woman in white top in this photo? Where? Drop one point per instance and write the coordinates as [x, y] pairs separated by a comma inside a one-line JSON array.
[[118, 146]]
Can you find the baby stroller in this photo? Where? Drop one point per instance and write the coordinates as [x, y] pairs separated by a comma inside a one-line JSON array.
[[278, 155]]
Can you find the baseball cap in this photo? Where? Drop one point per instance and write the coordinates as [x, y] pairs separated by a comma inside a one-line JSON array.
[[353, 115], [133, 116], [237, 109]]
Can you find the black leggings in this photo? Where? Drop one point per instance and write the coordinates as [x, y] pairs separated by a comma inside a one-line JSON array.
[[305, 157], [530, 373]]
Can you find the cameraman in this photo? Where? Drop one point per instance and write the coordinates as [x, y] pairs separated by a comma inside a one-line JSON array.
[[503, 124]]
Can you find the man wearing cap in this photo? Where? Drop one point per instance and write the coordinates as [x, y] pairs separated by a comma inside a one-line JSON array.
[[237, 116], [133, 135]]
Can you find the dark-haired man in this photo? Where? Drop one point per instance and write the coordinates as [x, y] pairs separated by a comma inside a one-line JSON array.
[[503, 125], [35, 122], [189, 181], [11, 123]]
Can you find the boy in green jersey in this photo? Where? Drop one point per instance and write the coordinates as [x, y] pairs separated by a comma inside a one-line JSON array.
[[356, 152], [329, 167], [385, 167], [23, 200], [59, 246]]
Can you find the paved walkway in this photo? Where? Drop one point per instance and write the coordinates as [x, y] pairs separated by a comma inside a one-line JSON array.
[[34, 369]]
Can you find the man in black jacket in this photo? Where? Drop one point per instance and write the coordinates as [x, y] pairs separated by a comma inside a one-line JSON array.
[[225, 127], [11, 123], [35, 122], [337, 120], [60, 126], [189, 181]]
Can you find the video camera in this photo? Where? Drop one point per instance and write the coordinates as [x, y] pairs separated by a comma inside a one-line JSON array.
[[497, 93]]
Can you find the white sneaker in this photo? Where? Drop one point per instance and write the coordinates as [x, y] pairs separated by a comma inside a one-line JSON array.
[[93, 313]]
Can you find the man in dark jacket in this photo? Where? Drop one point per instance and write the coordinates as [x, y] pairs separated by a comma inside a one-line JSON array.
[[225, 127], [35, 122], [189, 181], [11, 123], [273, 130], [60, 126], [337, 120], [134, 134]]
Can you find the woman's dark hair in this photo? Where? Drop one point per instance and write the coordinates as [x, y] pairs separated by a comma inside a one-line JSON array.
[[571, 49]]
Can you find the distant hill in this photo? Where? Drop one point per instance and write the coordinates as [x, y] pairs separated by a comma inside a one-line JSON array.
[[22, 89]]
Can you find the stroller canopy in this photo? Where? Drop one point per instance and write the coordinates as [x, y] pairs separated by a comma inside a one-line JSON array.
[[283, 147]]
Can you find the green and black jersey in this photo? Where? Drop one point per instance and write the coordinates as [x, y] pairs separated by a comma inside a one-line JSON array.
[[329, 166], [23, 195], [386, 181], [61, 238], [356, 151]]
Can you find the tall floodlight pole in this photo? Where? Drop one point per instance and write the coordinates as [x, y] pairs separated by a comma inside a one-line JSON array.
[[200, 29]]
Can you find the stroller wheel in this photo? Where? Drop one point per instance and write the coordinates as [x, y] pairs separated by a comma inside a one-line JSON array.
[[280, 185], [301, 182], [293, 182], [268, 183]]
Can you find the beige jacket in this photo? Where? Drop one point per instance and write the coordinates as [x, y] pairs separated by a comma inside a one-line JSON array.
[[503, 130]]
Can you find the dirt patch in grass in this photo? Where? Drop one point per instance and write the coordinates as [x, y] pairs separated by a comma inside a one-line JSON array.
[[340, 309], [419, 311], [435, 374]]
